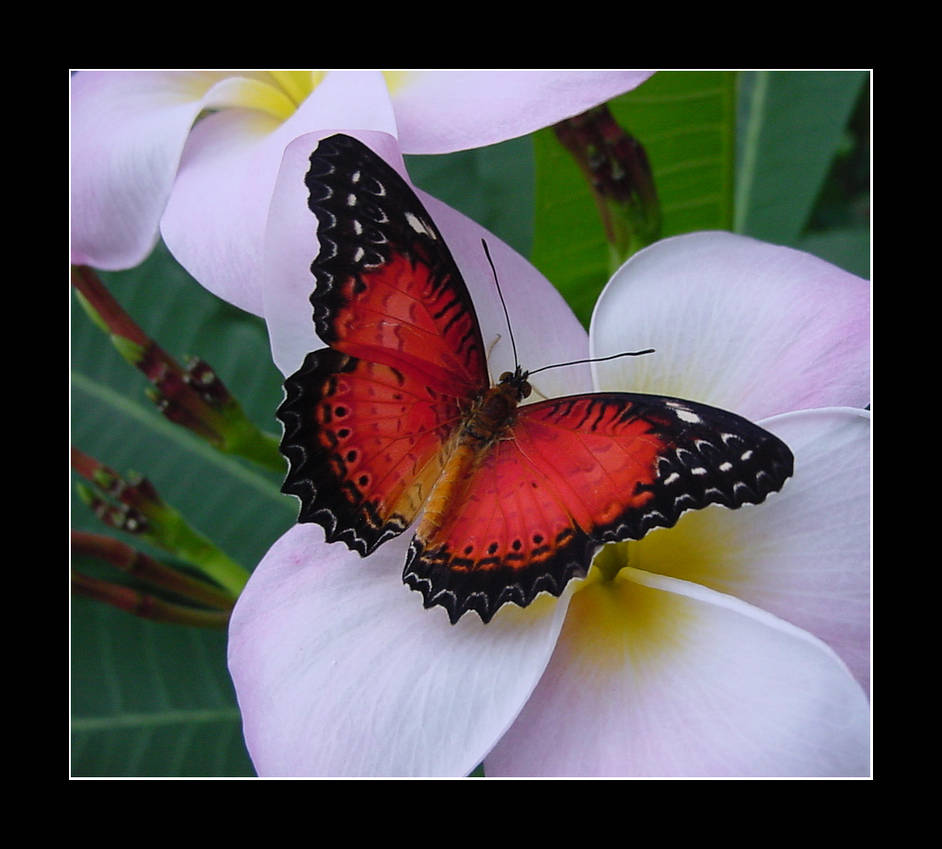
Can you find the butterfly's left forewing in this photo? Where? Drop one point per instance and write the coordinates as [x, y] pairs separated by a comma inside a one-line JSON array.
[[388, 289], [368, 421], [574, 473]]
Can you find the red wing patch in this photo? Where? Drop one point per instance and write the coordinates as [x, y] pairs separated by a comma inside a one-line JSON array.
[[578, 472]]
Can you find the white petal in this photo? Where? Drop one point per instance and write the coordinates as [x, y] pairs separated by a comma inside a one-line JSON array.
[[339, 670], [216, 217], [128, 132], [736, 323], [657, 677], [825, 515], [443, 111]]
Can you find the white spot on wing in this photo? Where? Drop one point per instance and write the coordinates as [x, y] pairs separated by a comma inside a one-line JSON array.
[[684, 413], [419, 225]]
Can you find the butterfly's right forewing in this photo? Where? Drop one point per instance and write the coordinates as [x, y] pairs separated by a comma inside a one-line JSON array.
[[577, 472]]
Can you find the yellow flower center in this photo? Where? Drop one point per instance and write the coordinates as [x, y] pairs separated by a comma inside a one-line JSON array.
[[277, 93], [621, 613], [611, 620]]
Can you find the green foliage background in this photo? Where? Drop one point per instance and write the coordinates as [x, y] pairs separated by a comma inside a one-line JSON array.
[[783, 156]]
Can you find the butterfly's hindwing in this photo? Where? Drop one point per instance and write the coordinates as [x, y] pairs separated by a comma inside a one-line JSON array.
[[580, 472], [364, 443]]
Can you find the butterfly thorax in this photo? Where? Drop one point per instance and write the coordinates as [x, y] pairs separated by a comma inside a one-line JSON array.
[[495, 410]]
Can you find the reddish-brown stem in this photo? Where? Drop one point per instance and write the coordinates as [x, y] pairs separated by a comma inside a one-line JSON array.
[[180, 401], [147, 569], [140, 494], [117, 320], [144, 605]]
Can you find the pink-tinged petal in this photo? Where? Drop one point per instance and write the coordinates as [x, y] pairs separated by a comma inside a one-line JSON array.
[[545, 328], [444, 111], [657, 677], [736, 323], [216, 217], [339, 670], [128, 131], [804, 554], [828, 513]]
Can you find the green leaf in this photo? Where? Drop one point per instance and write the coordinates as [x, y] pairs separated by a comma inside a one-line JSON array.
[[686, 123], [152, 699], [792, 126], [492, 185], [847, 247]]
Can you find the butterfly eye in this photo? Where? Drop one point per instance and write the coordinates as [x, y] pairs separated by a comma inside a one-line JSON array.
[[506, 376], [525, 389]]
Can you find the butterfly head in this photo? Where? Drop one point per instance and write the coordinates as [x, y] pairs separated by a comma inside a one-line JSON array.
[[517, 379]]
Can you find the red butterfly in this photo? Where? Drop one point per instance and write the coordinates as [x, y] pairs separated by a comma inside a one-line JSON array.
[[398, 417]]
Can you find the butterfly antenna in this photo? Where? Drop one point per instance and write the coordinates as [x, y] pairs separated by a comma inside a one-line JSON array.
[[500, 294], [596, 359]]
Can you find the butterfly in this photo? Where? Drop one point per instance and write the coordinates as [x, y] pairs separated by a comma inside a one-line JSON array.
[[397, 420]]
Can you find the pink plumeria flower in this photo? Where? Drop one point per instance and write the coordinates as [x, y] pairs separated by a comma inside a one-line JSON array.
[[737, 642], [194, 154], [733, 644]]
